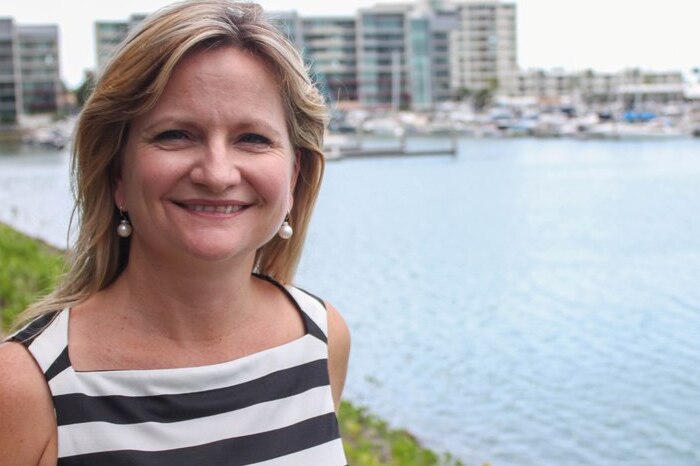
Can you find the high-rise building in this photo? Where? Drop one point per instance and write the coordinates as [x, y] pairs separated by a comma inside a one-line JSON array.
[[328, 46], [484, 47], [29, 71], [10, 88], [289, 22], [404, 54], [109, 34], [383, 34], [39, 68], [441, 23]]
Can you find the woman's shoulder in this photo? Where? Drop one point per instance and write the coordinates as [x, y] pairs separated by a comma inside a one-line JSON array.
[[18, 370], [26, 408], [337, 327], [338, 351]]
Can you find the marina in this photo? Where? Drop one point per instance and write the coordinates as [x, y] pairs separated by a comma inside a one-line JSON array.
[[517, 119]]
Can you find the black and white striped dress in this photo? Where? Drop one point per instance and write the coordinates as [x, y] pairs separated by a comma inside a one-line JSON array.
[[272, 408]]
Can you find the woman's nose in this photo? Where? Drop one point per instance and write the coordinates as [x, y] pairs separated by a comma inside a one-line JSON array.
[[217, 168]]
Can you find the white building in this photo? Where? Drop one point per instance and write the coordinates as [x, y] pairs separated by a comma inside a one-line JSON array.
[[484, 47], [627, 89]]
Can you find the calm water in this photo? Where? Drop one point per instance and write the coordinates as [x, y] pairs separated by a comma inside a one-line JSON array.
[[527, 303]]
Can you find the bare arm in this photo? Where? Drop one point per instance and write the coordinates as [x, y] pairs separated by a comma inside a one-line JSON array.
[[27, 421], [338, 352]]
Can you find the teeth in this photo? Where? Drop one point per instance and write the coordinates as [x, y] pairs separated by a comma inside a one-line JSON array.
[[221, 209]]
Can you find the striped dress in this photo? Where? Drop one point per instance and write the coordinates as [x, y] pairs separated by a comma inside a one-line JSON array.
[[272, 408]]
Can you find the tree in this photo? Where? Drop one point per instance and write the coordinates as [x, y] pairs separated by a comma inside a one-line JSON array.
[[463, 93], [482, 99], [85, 89], [493, 84]]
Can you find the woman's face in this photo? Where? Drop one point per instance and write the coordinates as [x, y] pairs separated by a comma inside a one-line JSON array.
[[208, 173]]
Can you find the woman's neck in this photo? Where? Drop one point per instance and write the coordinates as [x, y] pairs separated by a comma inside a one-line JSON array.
[[191, 301]]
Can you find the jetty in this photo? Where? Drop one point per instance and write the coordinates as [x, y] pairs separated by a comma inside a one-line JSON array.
[[339, 147]]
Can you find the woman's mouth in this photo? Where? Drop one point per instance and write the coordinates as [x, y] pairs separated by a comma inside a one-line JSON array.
[[219, 209], [211, 208]]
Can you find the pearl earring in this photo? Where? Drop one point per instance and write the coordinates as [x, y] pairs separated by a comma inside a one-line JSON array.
[[124, 228], [286, 231]]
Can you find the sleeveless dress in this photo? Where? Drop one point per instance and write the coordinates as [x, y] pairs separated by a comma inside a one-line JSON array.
[[271, 408]]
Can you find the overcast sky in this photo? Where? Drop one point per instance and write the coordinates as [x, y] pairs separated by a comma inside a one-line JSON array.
[[606, 35]]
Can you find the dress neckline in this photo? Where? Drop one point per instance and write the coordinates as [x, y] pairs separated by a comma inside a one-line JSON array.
[[306, 321]]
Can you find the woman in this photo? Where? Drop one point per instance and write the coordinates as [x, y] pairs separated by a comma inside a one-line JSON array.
[[176, 338]]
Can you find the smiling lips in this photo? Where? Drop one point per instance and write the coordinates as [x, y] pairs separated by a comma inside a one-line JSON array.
[[213, 208]]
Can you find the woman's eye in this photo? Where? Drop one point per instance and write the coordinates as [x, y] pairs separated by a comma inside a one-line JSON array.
[[252, 138], [171, 135]]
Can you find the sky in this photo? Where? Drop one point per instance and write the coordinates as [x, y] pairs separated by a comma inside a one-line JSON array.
[[603, 35]]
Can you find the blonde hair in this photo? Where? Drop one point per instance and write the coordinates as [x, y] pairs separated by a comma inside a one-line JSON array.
[[131, 84]]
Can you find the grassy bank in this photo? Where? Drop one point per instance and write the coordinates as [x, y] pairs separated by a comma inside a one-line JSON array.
[[369, 441], [29, 268]]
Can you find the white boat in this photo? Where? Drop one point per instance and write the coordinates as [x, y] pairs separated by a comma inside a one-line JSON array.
[[623, 130]]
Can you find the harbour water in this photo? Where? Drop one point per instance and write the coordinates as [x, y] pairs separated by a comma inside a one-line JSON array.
[[529, 302]]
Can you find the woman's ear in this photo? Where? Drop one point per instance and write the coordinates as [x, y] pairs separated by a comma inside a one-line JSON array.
[[295, 177], [119, 198]]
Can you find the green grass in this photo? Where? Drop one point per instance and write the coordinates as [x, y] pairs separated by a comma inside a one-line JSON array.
[[29, 268], [370, 442]]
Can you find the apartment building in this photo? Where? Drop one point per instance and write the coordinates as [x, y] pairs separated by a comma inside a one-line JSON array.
[[442, 23], [39, 69], [359, 59], [382, 54], [404, 55], [484, 47], [550, 87], [10, 87], [328, 44], [637, 88], [109, 34], [627, 89], [29, 71]]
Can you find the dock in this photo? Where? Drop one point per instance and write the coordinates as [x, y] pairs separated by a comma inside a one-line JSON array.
[[359, 150]]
